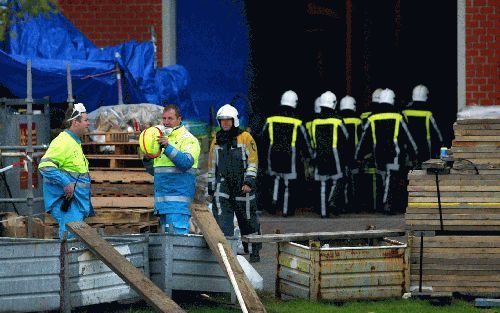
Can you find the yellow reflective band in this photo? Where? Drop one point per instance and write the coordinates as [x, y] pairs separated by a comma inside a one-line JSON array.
[[356, 122], [364, 115], [283, 120], [327, 121], [421, 113], [386, 116]]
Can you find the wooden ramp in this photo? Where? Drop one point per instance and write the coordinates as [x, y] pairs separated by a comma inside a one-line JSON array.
[[123, 268], [213, 235]]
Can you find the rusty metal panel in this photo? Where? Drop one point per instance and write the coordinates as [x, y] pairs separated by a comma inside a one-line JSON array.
[[361, 293]]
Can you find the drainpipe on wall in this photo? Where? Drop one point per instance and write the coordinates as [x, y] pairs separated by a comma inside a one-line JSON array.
[[169, 36]]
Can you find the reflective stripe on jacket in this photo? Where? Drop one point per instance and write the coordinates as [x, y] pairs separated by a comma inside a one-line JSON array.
[[175, 173]]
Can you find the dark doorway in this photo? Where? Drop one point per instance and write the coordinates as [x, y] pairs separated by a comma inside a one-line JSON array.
[[301, 45]]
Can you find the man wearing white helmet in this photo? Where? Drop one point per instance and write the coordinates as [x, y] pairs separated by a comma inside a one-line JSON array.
[[285, 140], [373, 103], [387, 138], [423, 125], [354, 128], [329, 138], [232, 174], [65, 171]]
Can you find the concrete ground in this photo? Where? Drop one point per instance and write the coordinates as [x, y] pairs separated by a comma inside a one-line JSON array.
[[310, 222]]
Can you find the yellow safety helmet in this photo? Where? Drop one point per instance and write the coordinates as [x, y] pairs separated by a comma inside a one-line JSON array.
[[148, 141]]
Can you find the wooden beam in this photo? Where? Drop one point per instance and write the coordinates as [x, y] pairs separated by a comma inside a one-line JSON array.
[[366, 234], [213, 235], [123, 268]]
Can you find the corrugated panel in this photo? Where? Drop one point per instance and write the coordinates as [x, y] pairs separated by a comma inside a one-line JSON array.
[[29, 275], [30, 269]]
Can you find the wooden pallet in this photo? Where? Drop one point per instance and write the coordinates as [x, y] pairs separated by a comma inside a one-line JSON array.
[[122, 202], [465, 264], [110, 137], [121, 190], [124, 177], [112, 161]]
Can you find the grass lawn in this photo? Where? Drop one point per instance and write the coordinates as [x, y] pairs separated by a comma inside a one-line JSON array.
[[302, 306]]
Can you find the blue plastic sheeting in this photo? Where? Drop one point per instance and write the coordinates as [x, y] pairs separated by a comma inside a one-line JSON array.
[[51, 43], [213, 45]]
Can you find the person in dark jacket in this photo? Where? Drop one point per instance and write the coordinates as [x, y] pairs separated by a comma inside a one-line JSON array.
[[329, 137], [387, 138], [232, 173], [354, 127], [423, 125], [286, 143]]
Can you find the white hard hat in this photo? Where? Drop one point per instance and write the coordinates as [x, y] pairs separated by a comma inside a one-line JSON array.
[[78, 109], [317, 107], [289, 98], [328, 100], [348, 103], [227, 111], [387, 96], [420, 93], [376, 95]]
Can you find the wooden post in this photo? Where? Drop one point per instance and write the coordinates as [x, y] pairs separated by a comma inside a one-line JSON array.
[[213, 236], [315, 270]]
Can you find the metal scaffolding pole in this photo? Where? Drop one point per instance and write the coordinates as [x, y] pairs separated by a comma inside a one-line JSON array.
[[29, 150]]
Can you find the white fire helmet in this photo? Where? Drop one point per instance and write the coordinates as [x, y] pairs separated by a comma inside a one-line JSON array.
[[348, 103], [317, 107], [227, 111], [328, 100], [376, 95], [289, 98], [387, 96], [420, 93]]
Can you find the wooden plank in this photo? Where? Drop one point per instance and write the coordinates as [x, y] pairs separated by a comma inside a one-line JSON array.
[[447, 217], [477, 132], [123, 268], [366, 234], [453, 199], [462, 143], [112, 157], [475, 126], [121, 176], [455, 205], [120, 202], [213, 235], [463, 188], [457, 194], [474, 149], [478, 121], [476, 155], [122, 190]]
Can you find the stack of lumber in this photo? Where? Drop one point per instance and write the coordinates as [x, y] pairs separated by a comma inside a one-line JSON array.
[[468, 265], [112, 151], [477, 145], [469, 202], [461, 241]]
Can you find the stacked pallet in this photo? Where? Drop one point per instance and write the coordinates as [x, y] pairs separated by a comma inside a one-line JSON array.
[[477, 145], [469, 202], [114, 151], [455, 234]]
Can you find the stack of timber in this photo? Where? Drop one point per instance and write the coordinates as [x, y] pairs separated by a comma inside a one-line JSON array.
[[455, 233], [114, 151], [477, 145]]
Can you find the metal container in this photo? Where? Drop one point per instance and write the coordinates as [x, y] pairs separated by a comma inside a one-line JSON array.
[[30, 274], [14, 132], [351, 270]]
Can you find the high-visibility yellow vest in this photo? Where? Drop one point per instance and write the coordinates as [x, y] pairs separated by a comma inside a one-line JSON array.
[[356, 122], [335, 122], [385, 116], [284, 120], [422, 114], [182, 140], [66, 154]]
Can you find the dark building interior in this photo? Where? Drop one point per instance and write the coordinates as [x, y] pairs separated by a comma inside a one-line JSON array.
[[353, 46]]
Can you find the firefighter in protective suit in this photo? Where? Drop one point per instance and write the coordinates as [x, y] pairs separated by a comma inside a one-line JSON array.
[[285, 139], [387, 138], [373, 104], [232, 173], [423, 125], [354, 128], [329, 137]]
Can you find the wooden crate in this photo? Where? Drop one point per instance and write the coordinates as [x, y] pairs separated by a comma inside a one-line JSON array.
[[111, 137], [351, 270], [464, 264]]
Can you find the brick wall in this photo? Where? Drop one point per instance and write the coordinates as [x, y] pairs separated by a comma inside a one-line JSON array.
[[482, 29], [111, 22]]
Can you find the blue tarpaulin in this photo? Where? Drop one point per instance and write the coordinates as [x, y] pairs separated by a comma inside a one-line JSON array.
[[212, 46]]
